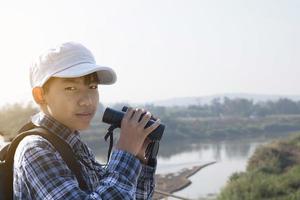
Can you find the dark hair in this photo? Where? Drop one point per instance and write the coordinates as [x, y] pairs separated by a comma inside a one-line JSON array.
[[88, 79], [91, 78]]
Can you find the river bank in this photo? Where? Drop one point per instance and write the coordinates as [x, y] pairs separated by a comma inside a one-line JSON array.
[[173, 182]]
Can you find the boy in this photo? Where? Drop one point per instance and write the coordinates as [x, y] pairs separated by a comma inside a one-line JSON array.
[[64, 84]]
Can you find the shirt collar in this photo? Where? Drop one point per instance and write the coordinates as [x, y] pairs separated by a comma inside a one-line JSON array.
[[54, 126]]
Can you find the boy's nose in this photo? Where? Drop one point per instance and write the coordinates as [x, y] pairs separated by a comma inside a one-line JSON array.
[[86, 100]]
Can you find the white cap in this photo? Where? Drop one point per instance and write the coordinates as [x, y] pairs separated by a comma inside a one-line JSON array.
[[68, 60]]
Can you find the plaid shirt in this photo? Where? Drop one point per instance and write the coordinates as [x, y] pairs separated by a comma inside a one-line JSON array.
[[41, 173]]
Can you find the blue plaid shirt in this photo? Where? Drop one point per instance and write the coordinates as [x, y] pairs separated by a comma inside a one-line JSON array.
[[41, 173]]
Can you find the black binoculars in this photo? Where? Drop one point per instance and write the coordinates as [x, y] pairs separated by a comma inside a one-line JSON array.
[[115, 117]]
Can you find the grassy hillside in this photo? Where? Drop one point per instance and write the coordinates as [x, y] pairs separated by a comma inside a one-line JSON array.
[[273, 173]]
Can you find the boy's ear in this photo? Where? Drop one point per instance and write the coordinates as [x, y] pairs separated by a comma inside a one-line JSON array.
[[38, 95]]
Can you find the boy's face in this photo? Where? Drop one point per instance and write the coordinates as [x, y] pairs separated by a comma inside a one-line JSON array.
[[71, 101]]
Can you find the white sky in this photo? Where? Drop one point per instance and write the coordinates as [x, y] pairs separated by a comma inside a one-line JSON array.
[[160, 48]]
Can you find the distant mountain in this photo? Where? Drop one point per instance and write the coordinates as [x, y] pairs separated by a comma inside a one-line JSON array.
[[201, 100]]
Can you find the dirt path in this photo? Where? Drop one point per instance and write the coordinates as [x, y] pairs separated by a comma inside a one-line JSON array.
[[174, 182]]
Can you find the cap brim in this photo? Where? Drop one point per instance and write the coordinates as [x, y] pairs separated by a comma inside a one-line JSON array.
[[106, 75]]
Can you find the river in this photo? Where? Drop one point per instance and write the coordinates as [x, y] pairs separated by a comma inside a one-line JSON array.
[[230, 156]]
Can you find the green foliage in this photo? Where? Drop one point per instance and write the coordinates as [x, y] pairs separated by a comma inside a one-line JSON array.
[[274, 158], [273, 172], [229, 107], [256, 185], [13, 117], [222, 119]]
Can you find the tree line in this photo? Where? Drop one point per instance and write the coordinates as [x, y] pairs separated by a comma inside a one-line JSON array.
[[238, 107], [189, 121]]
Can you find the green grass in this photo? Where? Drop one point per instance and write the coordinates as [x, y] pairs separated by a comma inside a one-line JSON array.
[[273, 173]]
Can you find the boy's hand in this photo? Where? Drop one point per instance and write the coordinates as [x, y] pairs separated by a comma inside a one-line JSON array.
[[142, 153], [133, 132]]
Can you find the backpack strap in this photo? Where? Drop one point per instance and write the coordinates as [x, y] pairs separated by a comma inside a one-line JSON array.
[[60, 145]]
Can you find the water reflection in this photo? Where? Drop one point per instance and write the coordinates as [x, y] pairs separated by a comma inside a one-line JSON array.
[[209, 150], [237, 149], [231, 156]]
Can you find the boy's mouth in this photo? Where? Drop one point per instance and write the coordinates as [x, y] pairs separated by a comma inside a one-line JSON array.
[[85, 115]]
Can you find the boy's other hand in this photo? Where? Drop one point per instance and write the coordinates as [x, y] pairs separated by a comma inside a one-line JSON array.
[[142, 153], [133, 132]]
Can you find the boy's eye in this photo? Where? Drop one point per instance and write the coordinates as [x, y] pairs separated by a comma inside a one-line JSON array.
[[93, 86], [70, 88]]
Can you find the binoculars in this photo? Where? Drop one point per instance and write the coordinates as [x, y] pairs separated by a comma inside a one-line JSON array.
[[115, 117]]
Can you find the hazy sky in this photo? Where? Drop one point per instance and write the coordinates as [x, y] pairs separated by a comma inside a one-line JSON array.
[[160, 48]]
